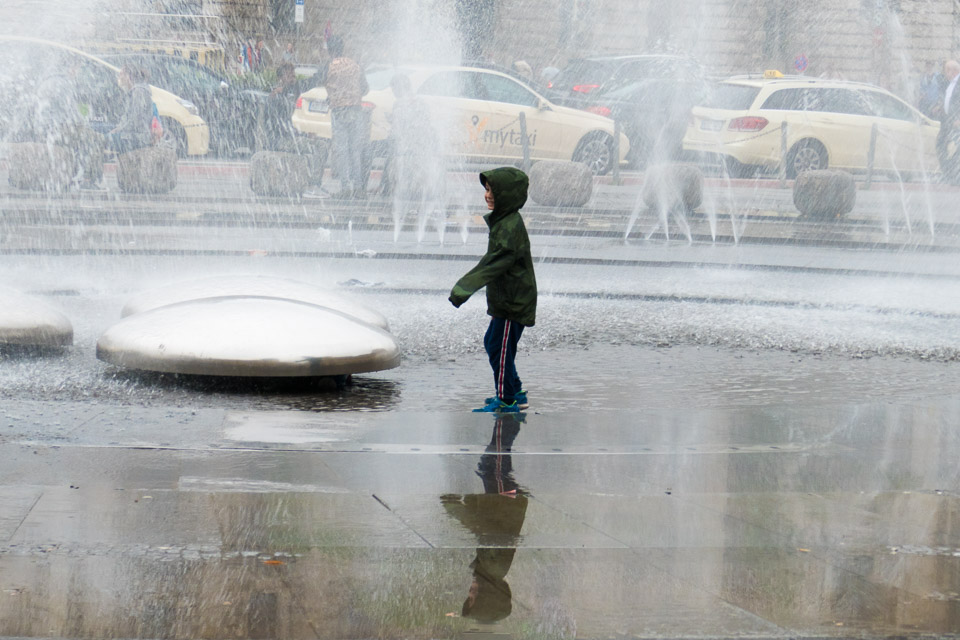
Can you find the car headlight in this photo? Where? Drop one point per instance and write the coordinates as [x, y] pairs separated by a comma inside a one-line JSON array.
[[189, 106]]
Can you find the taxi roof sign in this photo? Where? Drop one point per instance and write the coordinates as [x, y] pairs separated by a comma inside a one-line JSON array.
[[770, 74]]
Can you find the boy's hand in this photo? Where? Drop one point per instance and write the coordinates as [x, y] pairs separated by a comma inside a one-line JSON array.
[[458, 296]]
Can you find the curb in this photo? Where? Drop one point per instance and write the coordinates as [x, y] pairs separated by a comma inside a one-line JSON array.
[[187, 168], [241, 170]]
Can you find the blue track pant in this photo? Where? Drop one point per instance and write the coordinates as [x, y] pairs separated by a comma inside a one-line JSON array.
[[500, 342]]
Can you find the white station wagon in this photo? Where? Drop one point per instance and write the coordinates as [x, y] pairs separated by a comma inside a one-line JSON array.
[[829, 124]]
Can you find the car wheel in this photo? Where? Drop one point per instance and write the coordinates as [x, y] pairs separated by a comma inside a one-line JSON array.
[[806, 155], [175, 136], [595, 151]]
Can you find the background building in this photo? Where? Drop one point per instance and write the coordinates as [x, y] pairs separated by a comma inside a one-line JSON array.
[[881, 41]]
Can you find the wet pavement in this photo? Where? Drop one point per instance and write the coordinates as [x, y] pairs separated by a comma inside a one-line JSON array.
[[803, 520], [724, 440]]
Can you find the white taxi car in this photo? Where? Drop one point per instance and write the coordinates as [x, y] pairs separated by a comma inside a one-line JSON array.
[[27, 61], [828, 124], [480, 108]]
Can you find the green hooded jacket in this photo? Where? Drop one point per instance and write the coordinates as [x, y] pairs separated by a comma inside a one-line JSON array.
[[506, 270]]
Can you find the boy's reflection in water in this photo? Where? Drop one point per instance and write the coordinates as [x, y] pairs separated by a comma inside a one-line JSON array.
[[495, 517]]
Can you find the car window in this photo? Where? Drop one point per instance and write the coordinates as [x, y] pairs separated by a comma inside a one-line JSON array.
[[455, 84], [799, 99], [196, 77], [636, 90], [380, 79], [161, 76], [501, 89], [848, 101], [446, 84], [887, 106], [651, 68], [637, 70], [192, 77], [730, 96], [473, 86], [827, 100], [581, 72], [644, 93], [663, 68], [783, 99]]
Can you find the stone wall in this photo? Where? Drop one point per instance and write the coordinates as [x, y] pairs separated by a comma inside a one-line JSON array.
[[239, 18], [880, 41]]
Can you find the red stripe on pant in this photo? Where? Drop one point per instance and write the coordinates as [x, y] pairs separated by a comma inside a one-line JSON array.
[[503, 357], [499, 471]]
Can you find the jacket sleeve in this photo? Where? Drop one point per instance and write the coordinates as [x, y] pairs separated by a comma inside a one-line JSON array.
[[494, 263]]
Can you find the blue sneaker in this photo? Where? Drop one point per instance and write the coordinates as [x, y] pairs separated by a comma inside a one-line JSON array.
[[498, 406], [520, 398]]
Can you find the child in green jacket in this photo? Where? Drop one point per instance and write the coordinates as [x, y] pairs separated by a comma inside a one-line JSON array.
[[506, 270]]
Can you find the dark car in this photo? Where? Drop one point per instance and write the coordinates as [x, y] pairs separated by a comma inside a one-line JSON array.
[[650, 95], [653, 114], [233, 114], [28, 63], [582, 78]]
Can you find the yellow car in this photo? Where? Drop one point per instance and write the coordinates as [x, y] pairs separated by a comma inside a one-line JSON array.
[[829, 123], [480, 108], [28, 61]]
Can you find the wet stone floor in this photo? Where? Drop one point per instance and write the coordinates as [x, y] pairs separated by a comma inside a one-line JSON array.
[[710, 452], [625, 518]]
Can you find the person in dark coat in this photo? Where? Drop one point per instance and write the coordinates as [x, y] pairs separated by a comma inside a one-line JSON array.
[[947, 138], [506, 270], [928, 91], [495, 517], [135, 129]]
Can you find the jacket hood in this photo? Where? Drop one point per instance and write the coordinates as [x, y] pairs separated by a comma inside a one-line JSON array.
[[509, 187]]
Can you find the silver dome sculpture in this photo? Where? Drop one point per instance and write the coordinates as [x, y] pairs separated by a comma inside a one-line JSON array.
[[27, 321], [248, 285], [255, 336]]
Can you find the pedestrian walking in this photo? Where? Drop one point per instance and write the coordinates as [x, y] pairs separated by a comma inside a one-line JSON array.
[[928, 90], [947, 138], [346, 85], [506, 270], [136, 128]]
